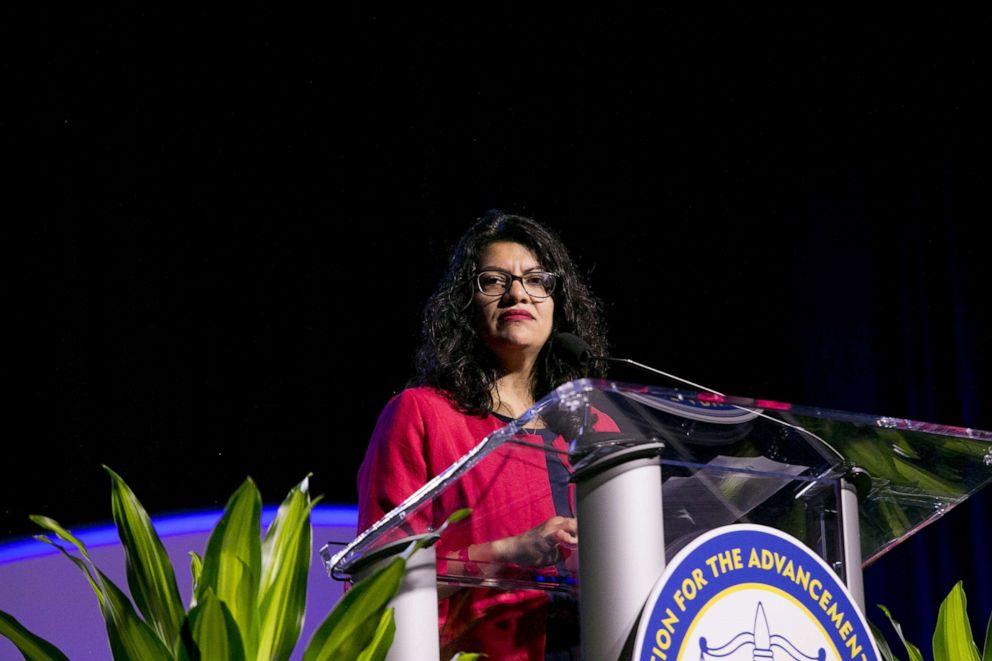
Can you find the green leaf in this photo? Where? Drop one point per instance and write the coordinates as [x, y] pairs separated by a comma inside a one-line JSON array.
[[912, 650], [881, 643], [31, 646], [465, 656], [54, 526], [187, 650], [149, 572], [987, 654], [195, 568], [952, 639], [130, 637], [232, 562], [214, 631], [352, 624], [382, 639], [83, 567], [455, 517], [894, 516], [286, 553]]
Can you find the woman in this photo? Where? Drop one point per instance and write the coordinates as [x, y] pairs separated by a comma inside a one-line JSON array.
[[485, 358]]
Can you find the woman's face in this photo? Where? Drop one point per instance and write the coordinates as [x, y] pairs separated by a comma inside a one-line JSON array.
[[515, 325]]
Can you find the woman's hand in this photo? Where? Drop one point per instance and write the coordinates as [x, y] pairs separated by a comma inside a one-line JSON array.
[[541, 545]]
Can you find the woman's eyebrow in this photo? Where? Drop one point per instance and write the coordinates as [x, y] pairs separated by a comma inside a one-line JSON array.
[[502, 270]]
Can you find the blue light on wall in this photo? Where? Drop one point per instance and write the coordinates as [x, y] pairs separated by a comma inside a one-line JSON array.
[[171, 525]]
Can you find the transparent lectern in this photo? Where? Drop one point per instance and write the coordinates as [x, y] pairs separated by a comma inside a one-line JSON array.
[[649, 469]]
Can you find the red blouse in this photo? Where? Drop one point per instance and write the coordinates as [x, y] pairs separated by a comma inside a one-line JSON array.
[[419, 434]]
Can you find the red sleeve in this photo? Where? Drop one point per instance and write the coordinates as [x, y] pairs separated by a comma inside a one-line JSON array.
[[394, 465]]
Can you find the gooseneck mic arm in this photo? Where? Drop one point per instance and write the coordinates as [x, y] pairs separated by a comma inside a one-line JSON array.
[[578, 352]]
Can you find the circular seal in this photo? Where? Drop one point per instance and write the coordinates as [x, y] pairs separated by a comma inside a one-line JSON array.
[[751, 592]]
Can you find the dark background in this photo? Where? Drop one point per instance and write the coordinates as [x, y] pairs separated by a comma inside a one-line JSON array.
[[232, 221]]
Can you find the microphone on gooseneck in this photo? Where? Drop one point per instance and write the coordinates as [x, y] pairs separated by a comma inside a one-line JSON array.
[[575, 350]]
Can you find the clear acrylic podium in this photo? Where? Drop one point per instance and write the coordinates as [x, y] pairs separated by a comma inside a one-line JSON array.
[[651, 469]]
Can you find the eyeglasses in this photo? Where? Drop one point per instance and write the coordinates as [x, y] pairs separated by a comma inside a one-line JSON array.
[[538, 284]]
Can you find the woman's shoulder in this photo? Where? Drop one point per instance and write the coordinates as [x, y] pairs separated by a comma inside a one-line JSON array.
[[424, 399], [423, 395]]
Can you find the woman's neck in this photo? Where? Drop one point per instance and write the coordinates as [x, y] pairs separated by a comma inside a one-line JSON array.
[[512, 394]]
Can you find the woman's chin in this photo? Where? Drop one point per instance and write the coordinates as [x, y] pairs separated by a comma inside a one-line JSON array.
[[521, 339]]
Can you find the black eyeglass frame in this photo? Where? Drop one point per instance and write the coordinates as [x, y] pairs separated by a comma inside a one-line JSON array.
[[477, 279]]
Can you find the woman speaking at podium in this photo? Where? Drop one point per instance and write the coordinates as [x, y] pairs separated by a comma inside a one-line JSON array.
[[485, 357]]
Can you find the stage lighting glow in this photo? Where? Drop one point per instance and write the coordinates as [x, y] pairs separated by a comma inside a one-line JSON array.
[[170, 525]]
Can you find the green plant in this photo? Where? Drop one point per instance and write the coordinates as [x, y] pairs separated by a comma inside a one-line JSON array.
[[952, 638], [249, 592]]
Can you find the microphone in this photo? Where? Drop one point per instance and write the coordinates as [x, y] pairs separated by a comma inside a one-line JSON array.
[[573, 349]]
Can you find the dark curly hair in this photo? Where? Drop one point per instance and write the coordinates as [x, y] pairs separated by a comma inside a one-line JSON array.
[[451, 356]]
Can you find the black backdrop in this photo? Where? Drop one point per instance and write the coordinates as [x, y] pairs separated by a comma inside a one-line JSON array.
[[239, 216]]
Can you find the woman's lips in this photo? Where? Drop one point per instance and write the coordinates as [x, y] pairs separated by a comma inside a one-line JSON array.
[[516, 315]]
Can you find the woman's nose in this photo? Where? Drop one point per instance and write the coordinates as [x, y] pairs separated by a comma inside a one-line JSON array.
[[516, 292]]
